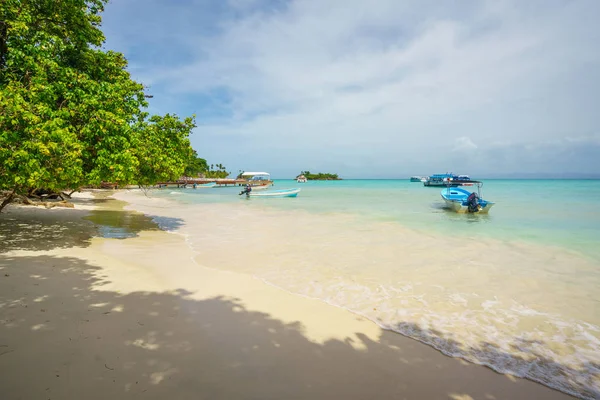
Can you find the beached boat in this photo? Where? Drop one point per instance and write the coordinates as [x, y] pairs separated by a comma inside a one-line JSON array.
[[274, 193], [462, 201]]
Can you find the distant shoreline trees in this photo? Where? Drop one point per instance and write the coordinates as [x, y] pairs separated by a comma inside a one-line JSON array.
[[216, 171], [320, 176]]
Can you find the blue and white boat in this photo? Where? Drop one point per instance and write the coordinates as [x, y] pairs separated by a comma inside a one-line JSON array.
[[447, 180], [275, 193], [462, 201]]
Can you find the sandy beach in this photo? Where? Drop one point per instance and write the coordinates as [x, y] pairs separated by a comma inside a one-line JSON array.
[[84, 316]]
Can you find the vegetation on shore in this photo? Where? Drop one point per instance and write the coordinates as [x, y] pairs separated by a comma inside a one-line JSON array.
[[216, 171], [195, 165], [70, 113], [320, 176], [198, 167]]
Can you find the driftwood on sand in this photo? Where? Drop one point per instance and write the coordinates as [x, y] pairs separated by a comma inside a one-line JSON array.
[[48, 200]]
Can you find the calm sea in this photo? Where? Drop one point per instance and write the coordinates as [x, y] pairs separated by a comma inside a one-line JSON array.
[[516, 290]]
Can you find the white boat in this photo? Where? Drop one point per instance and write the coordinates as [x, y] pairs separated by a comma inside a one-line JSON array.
[[418, 178], [204, 185], [260, 187], [257, 178], [301, 179], [275, 193]]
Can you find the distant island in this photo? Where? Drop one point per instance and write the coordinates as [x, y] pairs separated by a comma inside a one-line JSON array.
[[320, 176]]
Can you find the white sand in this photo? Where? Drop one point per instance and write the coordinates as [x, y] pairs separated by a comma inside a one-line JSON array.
[[89, 318]]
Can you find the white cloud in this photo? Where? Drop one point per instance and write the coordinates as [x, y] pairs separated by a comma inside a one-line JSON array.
[[464, 143], [370, 80]]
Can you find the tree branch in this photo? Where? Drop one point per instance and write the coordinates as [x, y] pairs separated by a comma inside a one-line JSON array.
[[8, 199]]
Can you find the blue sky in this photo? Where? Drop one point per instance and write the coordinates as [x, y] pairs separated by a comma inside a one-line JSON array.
[[373, 89]]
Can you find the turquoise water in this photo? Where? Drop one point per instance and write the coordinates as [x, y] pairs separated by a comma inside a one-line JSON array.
[[564, 213], [516, 290]]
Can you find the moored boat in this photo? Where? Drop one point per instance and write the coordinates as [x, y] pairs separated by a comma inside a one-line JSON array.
[[418, 178], [260, 187], [462, 201], [257, 178], [204, 185], [301, 179], [447, 180], [275, 193]]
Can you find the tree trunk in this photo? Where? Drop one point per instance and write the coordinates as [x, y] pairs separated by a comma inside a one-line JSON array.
[[8, 199], [26, 200]]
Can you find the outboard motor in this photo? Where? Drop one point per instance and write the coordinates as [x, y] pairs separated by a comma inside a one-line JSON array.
[[472, 202], [246, 190]]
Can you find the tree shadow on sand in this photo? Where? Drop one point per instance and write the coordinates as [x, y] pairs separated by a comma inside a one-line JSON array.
[[39, 229], [68, 338]]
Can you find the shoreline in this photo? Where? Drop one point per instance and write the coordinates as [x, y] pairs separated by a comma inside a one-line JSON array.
[[173, 327]]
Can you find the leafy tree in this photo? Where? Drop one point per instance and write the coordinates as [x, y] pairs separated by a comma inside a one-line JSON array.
[[195, 165], [221, 174], [70, 114], [162, 149]]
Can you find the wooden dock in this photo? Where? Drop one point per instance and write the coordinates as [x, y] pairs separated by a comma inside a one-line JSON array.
[[183, 182]]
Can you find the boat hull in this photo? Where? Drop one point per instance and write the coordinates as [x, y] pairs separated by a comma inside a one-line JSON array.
[[205, 185], [440, 184], [459, 207], [275, 193], [452, 183], [260, 187], [456, 200]]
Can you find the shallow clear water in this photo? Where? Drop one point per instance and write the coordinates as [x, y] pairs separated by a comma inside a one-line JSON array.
[[515, 289], [119, 225]]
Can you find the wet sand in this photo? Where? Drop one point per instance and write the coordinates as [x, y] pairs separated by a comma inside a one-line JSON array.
[[133, 316]]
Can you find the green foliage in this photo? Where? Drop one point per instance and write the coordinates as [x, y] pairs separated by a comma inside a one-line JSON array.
[[198, 166], [162, 148], [218, 172], [195, 165], [320, 176], [70, 114], [39, 42]]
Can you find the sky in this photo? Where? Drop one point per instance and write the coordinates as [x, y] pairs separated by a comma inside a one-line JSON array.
[[373, 89]]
